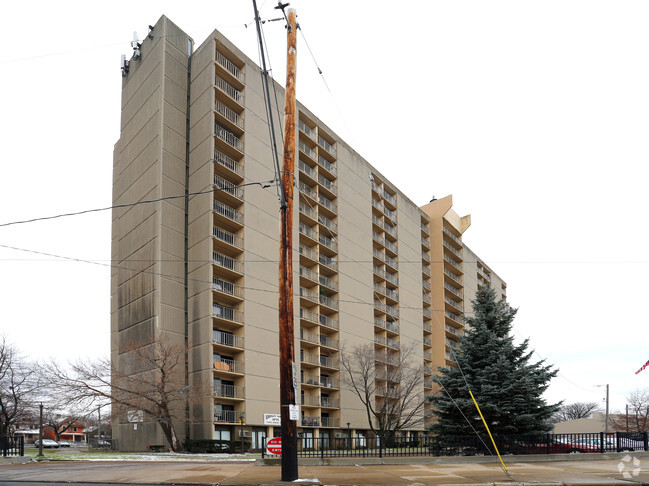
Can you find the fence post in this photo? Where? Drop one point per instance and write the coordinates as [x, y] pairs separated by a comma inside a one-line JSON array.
[[380, 446], [548, 444], [263, 446], [645, 436], [601, 442], [321, 440]]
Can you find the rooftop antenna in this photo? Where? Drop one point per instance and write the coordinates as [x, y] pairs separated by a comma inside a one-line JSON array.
[[137, 54], [125, 65]]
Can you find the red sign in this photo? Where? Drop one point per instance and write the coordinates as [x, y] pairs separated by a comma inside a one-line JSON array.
[[274, 446]]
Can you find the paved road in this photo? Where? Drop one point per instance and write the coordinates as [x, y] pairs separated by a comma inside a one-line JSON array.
[[591, 472]]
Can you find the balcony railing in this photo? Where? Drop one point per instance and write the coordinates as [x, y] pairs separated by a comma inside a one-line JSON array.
[[330, 185], [228, 187], [309, 252], [308, 273], [453, 316], [454, 290], [229, 90], [424, 228], [308, 190], [230, 213], [328, 342], [310, 421], [453, 263], [228, 137], [327, 203], [228, 416], [329, 402], [392, 278], [227, 313], [329, 302], [328, 242], [307, 150], [327, 146], [330, 422], [389, 198], [308, 231], [330, 225], [227, 262], [331, 168], [309, 295], [227, 287], [454, 276], [230, 67], [229, 391], [328, 262], [453, 330], [227, 339], [304, 209], [454, 303], [228, 114], [229, 365], [452, 236], [308, 315], [227, 237], [310, 171], [327, 282], [454, 251], [329, 322], [228, 162], [306, 129]]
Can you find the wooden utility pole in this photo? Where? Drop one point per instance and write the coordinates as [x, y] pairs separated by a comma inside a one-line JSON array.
[[287, 364]]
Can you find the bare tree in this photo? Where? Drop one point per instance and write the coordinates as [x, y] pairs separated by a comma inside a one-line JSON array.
[[18, 387], [152, 384], [578, 410], [637, 419], [390, 386]]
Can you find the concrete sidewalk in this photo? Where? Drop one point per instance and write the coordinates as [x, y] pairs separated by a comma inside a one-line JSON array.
[[556, 472]]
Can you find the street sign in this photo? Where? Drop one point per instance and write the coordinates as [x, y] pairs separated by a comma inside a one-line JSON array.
[[274, 446]]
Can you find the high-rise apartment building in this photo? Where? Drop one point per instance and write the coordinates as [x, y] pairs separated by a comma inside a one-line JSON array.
[[370, 266]]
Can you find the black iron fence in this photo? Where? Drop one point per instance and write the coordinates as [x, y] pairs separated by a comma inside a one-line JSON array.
[[469, 445], [12, 446]]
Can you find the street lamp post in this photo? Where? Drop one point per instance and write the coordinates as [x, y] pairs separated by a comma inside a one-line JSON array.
[[40, 432], [349, 437]]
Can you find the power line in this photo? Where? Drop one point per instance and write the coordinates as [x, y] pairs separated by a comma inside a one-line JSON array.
[[263, 185]]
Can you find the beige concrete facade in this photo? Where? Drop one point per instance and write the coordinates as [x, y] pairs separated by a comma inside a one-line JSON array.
[[367, 260]]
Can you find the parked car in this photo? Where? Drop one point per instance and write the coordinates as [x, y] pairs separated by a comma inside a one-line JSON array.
[[555, 447], [47, 443], [63, 443]]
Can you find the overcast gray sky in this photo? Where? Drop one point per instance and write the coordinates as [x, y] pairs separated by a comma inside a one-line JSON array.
[[534, 115]]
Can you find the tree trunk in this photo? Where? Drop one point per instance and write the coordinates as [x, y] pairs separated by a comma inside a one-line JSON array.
[[170, 435]]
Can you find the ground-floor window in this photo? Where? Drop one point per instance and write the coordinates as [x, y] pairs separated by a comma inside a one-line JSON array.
[[222, 434], [258, 436]]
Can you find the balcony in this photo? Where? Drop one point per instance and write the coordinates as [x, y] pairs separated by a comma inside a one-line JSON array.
[[330, 263], [308, 212], [232, 215], [426, 284], [328, 224], [309, 253], [392, 343], [229, 391], [327, 146], [307, 190], [452, 236], [454, 303], [304, 148], [328, 166], [228, 189], [424, 229], [326, 402], [232, 143], [229, 366], [309, 171], [330, 422], [227, 237], [308, 131], [227, 165], [310, 421], [328, 302], [227, 116], [390, 214], [453, 276], [327, 184], [328, 342], [329, 362], [309, 274], [329, 283], [454, 251], [454, 317], [390, 246], [329, 322], [307, 315], [227, 339], [230, 265], [228, 416], [229, 90], [392, 278], [327, 203], [227, 288], [307, 231], [425, 242], [230, 67], [453, 263], [428, 327], [227, 313], [456, 332], [309, 295], [328, 242], [454, 290], [389, 198], [309, 401], [427, 313]]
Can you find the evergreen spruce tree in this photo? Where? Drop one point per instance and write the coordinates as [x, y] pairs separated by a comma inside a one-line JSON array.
[[506, 385]]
